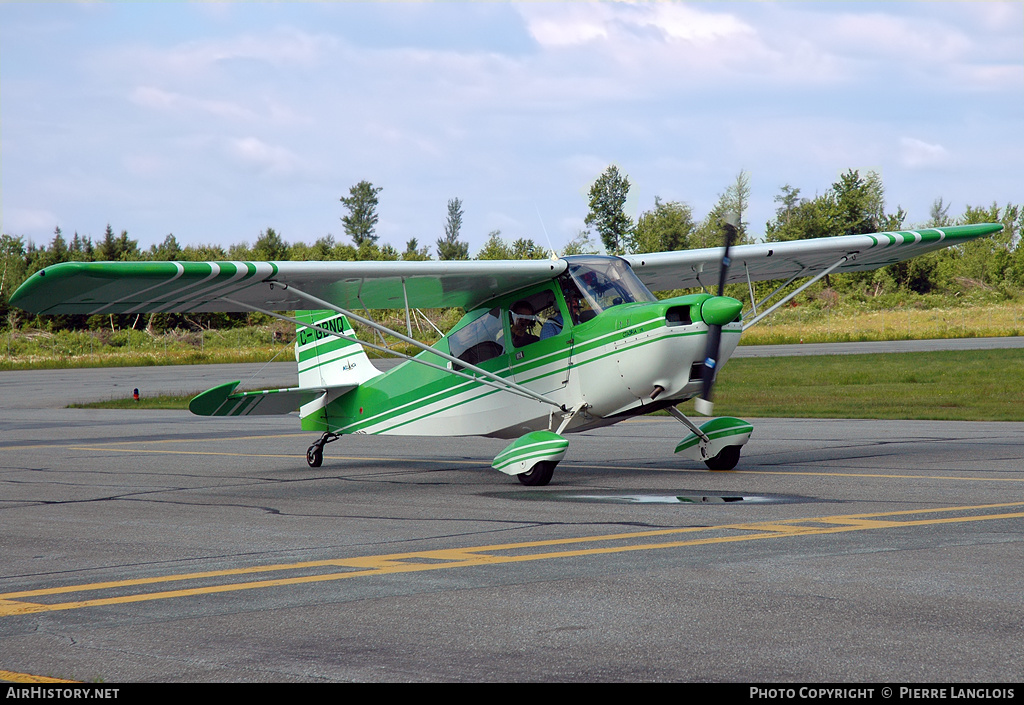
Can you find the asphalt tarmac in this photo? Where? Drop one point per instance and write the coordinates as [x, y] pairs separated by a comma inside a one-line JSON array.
[[159, 546]]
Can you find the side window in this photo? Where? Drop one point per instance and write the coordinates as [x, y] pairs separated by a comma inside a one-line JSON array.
[[481, 340], [534, 318]]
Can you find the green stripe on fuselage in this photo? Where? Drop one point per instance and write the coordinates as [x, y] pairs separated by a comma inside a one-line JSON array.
[[375, 407]]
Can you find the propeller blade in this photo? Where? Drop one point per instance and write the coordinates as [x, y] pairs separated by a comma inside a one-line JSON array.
[[703, 403]]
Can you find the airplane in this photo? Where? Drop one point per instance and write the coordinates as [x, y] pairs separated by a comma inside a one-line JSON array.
[[545, 348]]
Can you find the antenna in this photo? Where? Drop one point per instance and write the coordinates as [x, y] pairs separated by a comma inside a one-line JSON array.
[[554, 255]]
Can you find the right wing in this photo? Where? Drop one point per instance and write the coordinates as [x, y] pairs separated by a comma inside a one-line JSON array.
[[686, 269]]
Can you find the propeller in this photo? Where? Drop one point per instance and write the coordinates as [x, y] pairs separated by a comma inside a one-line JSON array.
[[716, 312]]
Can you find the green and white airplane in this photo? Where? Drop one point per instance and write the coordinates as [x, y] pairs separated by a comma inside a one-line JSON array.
[[545, 348]]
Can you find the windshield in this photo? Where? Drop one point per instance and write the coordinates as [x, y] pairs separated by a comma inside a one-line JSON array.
[[607, 281]]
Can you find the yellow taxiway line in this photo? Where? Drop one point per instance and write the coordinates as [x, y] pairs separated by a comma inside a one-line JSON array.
[[116, 592], [15, 677]]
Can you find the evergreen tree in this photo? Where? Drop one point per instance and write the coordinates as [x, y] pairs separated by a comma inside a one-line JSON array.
[[270, 246], [106, 251], [450, 247], [361, 221], [167, 251], [413, 252], [737, 199]]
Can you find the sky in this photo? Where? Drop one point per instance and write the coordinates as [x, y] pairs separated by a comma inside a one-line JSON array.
[[215, 121]]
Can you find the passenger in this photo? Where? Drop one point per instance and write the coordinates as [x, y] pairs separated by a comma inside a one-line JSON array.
[[523, 322], [553, 326]]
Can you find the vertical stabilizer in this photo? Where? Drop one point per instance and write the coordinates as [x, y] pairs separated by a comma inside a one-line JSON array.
[[326, 360]]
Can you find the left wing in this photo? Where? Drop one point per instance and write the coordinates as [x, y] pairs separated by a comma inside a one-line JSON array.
[[173, 287], [781, 260]]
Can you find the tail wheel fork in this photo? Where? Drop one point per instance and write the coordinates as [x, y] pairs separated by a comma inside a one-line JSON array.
[[315, 453]]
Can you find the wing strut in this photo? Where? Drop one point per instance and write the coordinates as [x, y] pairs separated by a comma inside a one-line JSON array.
[[750, 288], [408, 320], [793, 293], [491, 379]]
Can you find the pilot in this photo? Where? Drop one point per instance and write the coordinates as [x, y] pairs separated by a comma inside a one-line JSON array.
[[523, 321]]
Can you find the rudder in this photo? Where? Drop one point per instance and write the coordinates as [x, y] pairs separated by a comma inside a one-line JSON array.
[[326, 360]]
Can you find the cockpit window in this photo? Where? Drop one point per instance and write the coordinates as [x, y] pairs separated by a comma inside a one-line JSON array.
[[606, 282], [480, 340]]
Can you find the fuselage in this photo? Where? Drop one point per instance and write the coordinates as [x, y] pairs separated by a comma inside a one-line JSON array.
[[595, 337]]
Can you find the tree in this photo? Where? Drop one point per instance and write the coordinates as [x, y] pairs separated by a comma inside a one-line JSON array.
[[525, 248], [361, 221], [414, 252], [270, 246], [114, 249], [167, 250], [737, 198], [853, 205], [58, 251], [859, 203], [580, 245], [801, 219], [607, 215], [450, 247], [938, 215], [106, 251], [667, 227], [495, 247]]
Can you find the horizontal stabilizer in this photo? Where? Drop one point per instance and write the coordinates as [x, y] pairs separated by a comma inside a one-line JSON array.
[[221, 401]]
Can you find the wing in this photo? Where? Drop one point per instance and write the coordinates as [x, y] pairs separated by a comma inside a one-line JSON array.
[[171, 287], [781, 260]]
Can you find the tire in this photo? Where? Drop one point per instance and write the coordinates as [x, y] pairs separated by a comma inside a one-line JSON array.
[[725, 460], [539, 475], [315, 456]]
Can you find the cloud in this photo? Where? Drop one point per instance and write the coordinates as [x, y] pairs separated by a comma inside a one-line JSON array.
[[917, 154], [279, 48], [163, 100], [580, 23], [254, 152]]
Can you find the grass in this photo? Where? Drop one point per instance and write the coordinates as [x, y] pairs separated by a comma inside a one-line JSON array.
[[948, 385], [807, 324], [40, 349], [158, 402]]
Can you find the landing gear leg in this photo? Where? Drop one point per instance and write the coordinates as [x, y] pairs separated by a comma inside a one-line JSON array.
[[315, 453]]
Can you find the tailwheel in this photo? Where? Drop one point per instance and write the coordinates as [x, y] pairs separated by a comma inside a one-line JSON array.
[[315, 453], [725, 460], [539, 475]]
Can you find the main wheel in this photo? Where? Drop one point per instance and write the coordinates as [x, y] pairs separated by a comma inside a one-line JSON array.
[[315, 456], [725, 460], [539, 475]]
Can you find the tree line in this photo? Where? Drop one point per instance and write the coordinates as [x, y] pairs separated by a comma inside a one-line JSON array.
[[853, 204]]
